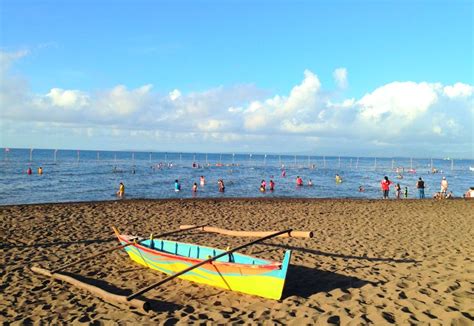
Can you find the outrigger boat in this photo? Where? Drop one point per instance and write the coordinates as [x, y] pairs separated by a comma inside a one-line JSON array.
[[225, 269], [233, 271]]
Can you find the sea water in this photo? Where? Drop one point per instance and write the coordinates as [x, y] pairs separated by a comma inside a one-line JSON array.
[[71, 176]]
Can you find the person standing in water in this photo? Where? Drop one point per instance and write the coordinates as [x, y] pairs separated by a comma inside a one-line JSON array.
[[121, 191], [385, 186], [195, 187], [263, 186], [398, 191], [220, 183], [272, 185], [420, 185], [299, 181], [29, 171], [202, 181], [40, 170], [177, 186], [444, 186], [338, 178]]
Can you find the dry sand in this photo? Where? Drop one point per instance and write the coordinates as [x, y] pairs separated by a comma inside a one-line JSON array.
[[370, 261]]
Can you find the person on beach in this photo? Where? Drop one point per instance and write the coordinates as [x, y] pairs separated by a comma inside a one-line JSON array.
[[40, 170], [420, 185], [385, 186], [220, 183], [202, 181], [338, 178], [263, 186], [272, 185], [406, 192], [121, 191], [444, 186], [299, 181], [469, 194], [177, 186], [29, 171], [195, 187], [398, 191]]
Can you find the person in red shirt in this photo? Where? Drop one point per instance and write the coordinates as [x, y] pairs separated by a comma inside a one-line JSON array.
[[385, 185], [299, 181]]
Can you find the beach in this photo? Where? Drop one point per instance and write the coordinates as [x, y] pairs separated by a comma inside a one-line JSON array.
[[369, 262]]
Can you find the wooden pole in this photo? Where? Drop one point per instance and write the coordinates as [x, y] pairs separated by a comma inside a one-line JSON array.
[[171, 277], [292, 234], [106, 296], [120, 247]]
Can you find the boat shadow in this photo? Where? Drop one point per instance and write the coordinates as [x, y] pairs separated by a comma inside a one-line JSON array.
[[155, 306], [304, 282]]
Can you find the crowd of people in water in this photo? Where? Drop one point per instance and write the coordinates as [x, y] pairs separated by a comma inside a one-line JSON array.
[[385, 184]]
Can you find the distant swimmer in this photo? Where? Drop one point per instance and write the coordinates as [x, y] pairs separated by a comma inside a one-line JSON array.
[[29, 171], [272, 185], [299, 181], [399, 176], [40, 170], [195, 187], [338, 178], [361, 189], [202, 181], [263, 186], [121, 191], [283, 173], [177, 186], [220, 183]]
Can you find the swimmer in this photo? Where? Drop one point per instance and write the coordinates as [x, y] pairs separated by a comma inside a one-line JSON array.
[[40, 170], [361, 189], [263, 186], [121, 191], [220, 183], [310, 183], [177, 186], [283, 173], [202, 181], [29, 171], [338, 178], [299, 181], [272, 185], [195, 187]]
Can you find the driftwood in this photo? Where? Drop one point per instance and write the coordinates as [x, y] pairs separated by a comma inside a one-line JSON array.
[[106, 296], [227, 252], [292, 234]]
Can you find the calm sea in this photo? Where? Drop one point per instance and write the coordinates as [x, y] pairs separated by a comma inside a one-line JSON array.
[[95, 175]]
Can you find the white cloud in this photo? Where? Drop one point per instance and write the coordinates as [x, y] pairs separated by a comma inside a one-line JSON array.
[[458, 90], [395, 114], [340, 77]]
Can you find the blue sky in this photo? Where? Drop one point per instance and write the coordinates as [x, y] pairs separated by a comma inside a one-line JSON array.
[[246, 73]]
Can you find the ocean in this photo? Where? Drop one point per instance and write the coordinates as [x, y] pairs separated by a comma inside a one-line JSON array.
[[71, 176]]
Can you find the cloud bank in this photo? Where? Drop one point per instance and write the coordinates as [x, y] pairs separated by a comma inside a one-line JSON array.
[[395, 117]]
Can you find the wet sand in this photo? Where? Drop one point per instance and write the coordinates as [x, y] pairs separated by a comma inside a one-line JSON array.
[[370, 261]]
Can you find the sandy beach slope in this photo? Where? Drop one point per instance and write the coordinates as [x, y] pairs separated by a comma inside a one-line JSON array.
[[370, 261]]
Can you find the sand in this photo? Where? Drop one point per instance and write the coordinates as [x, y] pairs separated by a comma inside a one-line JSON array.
[[370, 261]]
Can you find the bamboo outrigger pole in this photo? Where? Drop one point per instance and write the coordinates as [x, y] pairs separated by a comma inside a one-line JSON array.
[[171, 277], [105, 295], [120, 247], [292, 234]]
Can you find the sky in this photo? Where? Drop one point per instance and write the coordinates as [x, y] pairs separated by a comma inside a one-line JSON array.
[[361, 78]]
